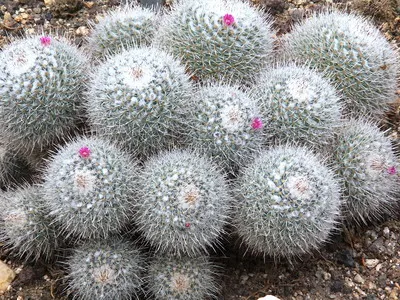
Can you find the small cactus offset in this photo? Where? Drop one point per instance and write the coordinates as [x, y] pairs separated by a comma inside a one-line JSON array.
[[367, 165], [42, 79], [25, 227], [225, 124], [172, 278], [107, 269], [289, 202], [139, 98], [89, 188], [123, 27], [218, 39], [299, 104], [353, 53], [183, 203]]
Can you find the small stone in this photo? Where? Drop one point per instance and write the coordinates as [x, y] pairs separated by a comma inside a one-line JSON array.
[[359, 279], [378, 267], [243, 279], [83, 31], [268, 297], [332, 296], [48, 2], [371, 286], [377, 246], [7, 275], [371, 263], [394, 294], [37, 10], [8, 20], [25, 16], [345, 257], [89, 4], [386, 232], [371, 297], [337, 286]]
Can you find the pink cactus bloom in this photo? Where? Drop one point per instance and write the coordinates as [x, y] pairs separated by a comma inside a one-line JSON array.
[[187, 225], [84, 152], [228, 20], [45, 40], [257, 123], [392, 170]]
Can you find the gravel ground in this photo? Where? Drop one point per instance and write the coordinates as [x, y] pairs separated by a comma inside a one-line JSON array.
[[359, 263]]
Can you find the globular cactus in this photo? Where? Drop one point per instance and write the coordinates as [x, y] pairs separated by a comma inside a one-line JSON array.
[[183, 203], [172, 278], [367, 165], [217, 38], [42, 80], [107, 269], [299, 104], [139, 98], [25, 227], [289, 202], [353, 53], [89, 188], [224, 123], [121, 28]]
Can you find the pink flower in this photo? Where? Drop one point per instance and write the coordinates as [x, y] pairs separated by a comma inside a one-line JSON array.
[[257, 123], [187, 225], [228, 20], [45, 40], [392, 170], [84, 152]]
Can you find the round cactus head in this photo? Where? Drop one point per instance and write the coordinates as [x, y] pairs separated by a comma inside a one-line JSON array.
[[89, 188], [368, 167], [353, 53], [106, 269], [138, 97], [299, 104], [225, 123], [42, 79], [289, 202], [217, 38], [172, 278], [183, 203]]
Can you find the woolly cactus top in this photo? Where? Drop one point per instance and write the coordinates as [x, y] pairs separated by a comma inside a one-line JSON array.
[[217, 38]]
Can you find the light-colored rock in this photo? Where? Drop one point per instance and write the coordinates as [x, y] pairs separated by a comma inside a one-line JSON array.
[[83, 30], [371, 263], [7, 275], [268, 297], [48, 2], [359, 279]]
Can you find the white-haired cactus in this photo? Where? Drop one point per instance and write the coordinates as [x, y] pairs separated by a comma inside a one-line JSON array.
[[13, 167], [183, 203], [353, 53], [368, 167], [299, 104], [107, 269], [172, 278], [224, 123], [25, 227], [123, 27], [217, 38], [89, 188], [289, 202], [139, 97], [42, 80]]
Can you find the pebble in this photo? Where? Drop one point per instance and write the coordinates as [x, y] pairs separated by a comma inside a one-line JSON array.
[[243, 279], [7, 275], [359, 279], [345, 257], [83, 31], [268, 297], [371, 263], [386, 232]]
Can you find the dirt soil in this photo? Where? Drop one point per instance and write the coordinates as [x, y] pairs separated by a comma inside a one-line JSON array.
[[358, 263]]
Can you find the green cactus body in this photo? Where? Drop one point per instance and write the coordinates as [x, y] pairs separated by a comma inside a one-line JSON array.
[[217, 38], [107, 269], [89, 188], [42, 81], [139, 97], [183, 203], [25, 227], [289, 202], [353, 53], [299, 105], [367, 166], [225, 124], [172, 278], [120, 28]]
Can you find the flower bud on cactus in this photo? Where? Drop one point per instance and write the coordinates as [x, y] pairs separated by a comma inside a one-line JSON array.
[[217, 38], [289, 202], [183, 203], [225, 123], [25, 227], [89, 186], [106, 269], [299, 104], [172, 278], [368, 167], [120, 28], [353, 53], [41, 84], [138, 97]]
